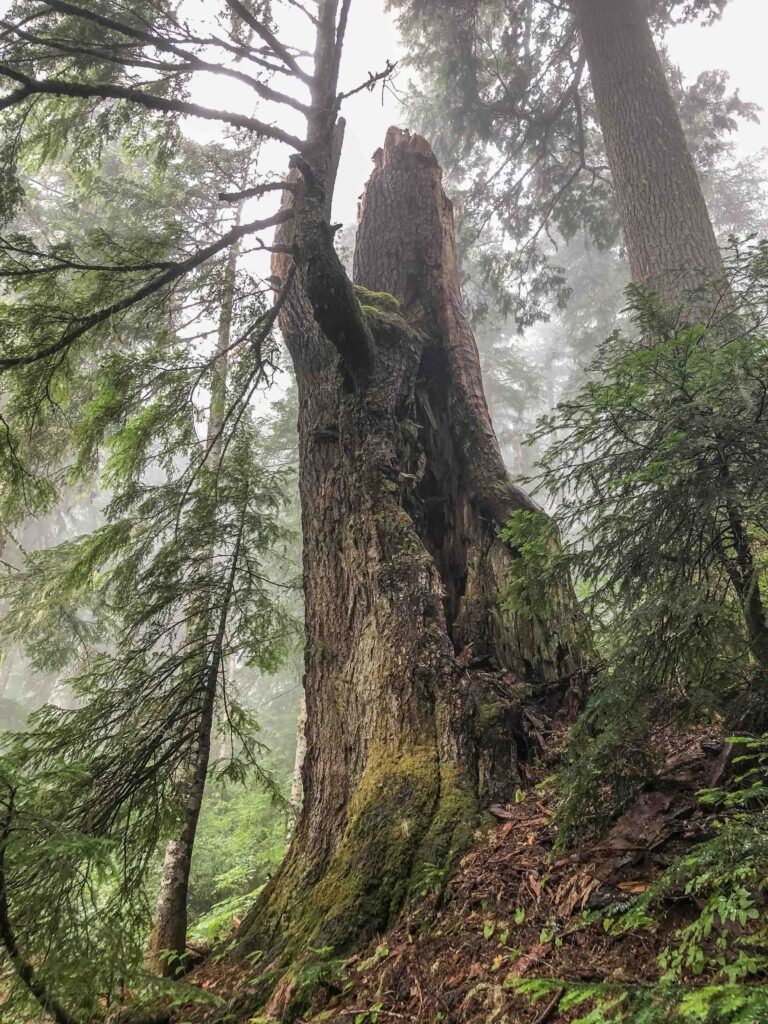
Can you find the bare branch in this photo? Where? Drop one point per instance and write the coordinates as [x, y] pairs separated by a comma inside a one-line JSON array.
[[369, 85], [270, 39], [97, 90], [256, 190]]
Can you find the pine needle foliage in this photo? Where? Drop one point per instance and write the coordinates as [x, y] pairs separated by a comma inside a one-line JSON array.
[[95, 785], [657, 469], [190, 573]]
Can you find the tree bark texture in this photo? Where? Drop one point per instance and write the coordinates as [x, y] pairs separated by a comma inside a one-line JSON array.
[[667, 230], [415, 678]]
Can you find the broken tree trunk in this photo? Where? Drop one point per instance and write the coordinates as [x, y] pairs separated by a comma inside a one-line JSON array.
[[415, 675]]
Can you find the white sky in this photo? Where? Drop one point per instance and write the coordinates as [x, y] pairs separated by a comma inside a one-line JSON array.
[[371, 40], [737, 43]]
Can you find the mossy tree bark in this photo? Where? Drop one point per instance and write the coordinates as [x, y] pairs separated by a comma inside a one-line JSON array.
[[669, 236], [415, 676]]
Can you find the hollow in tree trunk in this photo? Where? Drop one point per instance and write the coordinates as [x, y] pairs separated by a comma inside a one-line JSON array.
[[415, 677]]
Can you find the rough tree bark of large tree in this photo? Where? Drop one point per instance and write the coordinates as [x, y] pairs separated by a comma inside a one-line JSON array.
[[667, 229], [415, 675]]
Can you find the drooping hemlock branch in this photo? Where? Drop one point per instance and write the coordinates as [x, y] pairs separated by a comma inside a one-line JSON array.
[[23, 968], [102, 90], [176, 271]]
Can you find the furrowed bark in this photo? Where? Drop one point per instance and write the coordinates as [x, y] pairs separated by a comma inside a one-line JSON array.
[[668, 233], [415, 677]]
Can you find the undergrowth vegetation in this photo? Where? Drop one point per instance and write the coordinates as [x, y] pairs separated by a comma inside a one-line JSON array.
[[657, 468]]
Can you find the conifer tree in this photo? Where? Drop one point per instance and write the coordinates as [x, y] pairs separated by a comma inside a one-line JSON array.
[[666, 225], [169, 933], [163, 595], [414, 677], [508, 93]]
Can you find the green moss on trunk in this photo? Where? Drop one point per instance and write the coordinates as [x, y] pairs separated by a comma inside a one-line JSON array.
[[452, 826], [367, 881]]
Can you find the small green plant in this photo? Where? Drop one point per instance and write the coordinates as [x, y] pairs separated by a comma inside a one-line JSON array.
[[529, 585], [607, 1003], [431, 879], [709, 964], [750, 786], [380, 953], [323, 968], [370, 1016]]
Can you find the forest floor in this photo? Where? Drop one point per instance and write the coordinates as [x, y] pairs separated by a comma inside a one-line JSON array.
[[520, 909]]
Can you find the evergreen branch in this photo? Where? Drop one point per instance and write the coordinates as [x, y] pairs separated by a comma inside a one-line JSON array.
[[23, 968], [174, 273], [100, 55], [241, 402], [65, 264], [167, 46], [103, 90], [245, 52]]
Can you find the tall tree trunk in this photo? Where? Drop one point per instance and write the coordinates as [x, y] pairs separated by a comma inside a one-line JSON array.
[[415, 676], [668, 233], [169, 933]]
